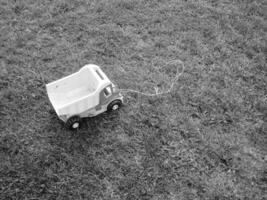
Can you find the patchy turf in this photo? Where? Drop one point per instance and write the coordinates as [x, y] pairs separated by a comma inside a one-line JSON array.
[[205, 140]]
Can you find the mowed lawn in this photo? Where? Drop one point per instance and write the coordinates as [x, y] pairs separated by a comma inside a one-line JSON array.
[[205, 140]]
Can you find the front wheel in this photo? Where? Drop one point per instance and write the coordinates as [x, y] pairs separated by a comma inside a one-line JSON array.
[[114, 105], [73, 123]]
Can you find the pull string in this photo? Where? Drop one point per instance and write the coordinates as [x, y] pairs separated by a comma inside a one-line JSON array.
[[171, 83]]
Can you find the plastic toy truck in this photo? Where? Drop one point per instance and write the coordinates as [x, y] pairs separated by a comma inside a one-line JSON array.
[[85, 93]]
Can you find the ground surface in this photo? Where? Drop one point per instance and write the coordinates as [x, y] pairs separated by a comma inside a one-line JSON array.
[[205, 140]]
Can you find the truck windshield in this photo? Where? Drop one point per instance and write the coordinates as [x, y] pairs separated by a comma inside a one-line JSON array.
[[114, 88]]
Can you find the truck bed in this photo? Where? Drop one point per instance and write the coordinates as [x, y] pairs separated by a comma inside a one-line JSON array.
[[60, 99], [77, 91]]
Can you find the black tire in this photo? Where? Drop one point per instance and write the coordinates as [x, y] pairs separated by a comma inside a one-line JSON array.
[[73, 123], [114, 105]]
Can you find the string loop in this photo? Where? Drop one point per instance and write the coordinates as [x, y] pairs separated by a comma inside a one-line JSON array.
[[172, 82]]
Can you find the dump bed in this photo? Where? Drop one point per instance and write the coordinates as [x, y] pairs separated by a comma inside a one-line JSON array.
[[77, 92]]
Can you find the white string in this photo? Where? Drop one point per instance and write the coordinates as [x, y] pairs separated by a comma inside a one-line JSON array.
[[172, 82]]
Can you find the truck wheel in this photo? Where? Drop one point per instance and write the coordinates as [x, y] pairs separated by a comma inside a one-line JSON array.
[[114, 105], [73, 123]]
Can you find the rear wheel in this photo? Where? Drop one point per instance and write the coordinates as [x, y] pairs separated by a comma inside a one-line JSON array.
[[73, 123], [114, 105]]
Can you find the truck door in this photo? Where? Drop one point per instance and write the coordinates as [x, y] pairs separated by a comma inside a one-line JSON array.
[[104, 96]]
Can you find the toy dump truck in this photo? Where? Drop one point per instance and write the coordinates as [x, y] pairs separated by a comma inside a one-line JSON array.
[[85, 93]]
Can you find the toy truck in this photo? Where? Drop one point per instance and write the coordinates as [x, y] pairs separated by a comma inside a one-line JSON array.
[[85, 93]]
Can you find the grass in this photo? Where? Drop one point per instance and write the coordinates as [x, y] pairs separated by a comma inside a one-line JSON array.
[[205, 140]]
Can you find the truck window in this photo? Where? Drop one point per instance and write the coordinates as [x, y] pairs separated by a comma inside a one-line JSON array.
[[107, 91]]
